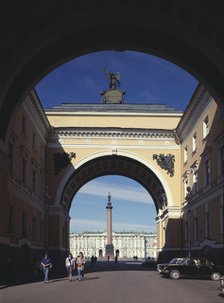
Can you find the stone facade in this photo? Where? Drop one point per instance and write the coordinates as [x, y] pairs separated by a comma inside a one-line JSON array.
[[126, 244], [121, 139], [23, 199]]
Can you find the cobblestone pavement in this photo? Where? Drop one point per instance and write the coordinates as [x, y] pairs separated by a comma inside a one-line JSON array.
[[118, 283]]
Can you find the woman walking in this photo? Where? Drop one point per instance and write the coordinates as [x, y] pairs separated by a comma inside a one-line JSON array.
[[80, 261], [70, 265]]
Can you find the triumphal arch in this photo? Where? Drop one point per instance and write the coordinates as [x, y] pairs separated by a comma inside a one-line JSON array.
[[136, 141]]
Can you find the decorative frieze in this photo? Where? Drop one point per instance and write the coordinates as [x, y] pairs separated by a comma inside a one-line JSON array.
[[115, 133]]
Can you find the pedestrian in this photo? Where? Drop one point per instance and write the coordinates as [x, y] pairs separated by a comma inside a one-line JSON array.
[[92, 260], [115, 259], [46, 264], [70, 265], [80, 261]]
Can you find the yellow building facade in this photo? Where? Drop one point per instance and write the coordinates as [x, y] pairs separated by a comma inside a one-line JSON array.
[[50, 154]]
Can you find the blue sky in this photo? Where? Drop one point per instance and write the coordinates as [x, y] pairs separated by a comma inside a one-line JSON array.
[[146, 79]]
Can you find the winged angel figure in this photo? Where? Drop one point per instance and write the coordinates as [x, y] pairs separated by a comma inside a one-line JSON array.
[[114, 78]]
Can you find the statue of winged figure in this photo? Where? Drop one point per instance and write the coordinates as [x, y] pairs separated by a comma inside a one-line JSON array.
[[114, 78]]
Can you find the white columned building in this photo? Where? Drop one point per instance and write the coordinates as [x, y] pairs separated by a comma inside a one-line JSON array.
[[125, 244]]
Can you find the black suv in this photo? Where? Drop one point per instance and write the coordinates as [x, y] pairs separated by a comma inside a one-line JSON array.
[[196, 267]]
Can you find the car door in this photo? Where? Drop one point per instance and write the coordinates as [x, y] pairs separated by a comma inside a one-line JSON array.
[[192, 269]]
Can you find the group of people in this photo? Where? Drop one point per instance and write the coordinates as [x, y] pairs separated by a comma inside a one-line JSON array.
[[79, 263], [71, 263]]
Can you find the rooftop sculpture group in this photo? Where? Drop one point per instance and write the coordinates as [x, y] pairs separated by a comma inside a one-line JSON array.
[[113, 95], [114, 79]]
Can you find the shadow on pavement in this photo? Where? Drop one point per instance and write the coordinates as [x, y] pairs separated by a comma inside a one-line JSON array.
[[59, 274]]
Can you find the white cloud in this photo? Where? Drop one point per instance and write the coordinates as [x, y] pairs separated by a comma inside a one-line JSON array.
[[126, 193], [94, 225], [86, 224]]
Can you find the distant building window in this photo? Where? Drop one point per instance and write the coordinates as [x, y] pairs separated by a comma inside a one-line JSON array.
[[186, 236], [24, 227], [221, 160], [24, 168], [207, 172], [194, 143], [221, 223], [11, 156], [34, 141], [34, 177], [23, 125], [42, 186], [33, 227], [10, 219], [194, 170], [42, 152], [185, 154], [205, 127], [186, 183], [207, 225], [41, 230], [196, 228]]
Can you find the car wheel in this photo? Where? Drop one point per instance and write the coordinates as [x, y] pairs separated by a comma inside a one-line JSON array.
[[175, 275], [215, 276]]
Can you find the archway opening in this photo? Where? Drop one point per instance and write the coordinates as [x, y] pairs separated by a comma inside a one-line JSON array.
[[133, 219]]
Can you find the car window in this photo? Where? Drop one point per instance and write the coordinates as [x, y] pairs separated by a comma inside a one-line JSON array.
[[180, 261]]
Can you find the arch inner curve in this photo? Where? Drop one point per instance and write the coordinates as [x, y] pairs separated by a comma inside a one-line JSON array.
[[115, 165]]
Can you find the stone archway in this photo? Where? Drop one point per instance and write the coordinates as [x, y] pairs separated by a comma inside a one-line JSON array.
[[114, 165], [190, 36]]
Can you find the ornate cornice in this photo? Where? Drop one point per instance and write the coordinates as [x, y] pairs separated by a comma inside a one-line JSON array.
[[38, 108], [111, 133], [195, 108]]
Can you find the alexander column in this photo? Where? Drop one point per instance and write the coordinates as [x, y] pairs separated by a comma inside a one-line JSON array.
[[109, 246]]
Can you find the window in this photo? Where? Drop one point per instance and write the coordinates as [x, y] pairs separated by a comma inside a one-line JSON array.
[[185, 154], [34, 141], [221, 161], [207, 224], [41, 230], [33, 227], [186, 182], [10, 219], [221, 223], [42, 186], [34, 177], [23, 125], [194, 143], [24, 224], [24, 168], [42, 152], [11, 156], [196, 228], [205, 127], [194, 170], [186, 231], [207, 172]]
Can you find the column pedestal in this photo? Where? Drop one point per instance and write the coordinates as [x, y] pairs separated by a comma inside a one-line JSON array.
[[109, 250]]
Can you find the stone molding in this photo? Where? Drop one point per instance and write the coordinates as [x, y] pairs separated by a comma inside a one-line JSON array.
[[118, 133], [198, 103]]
